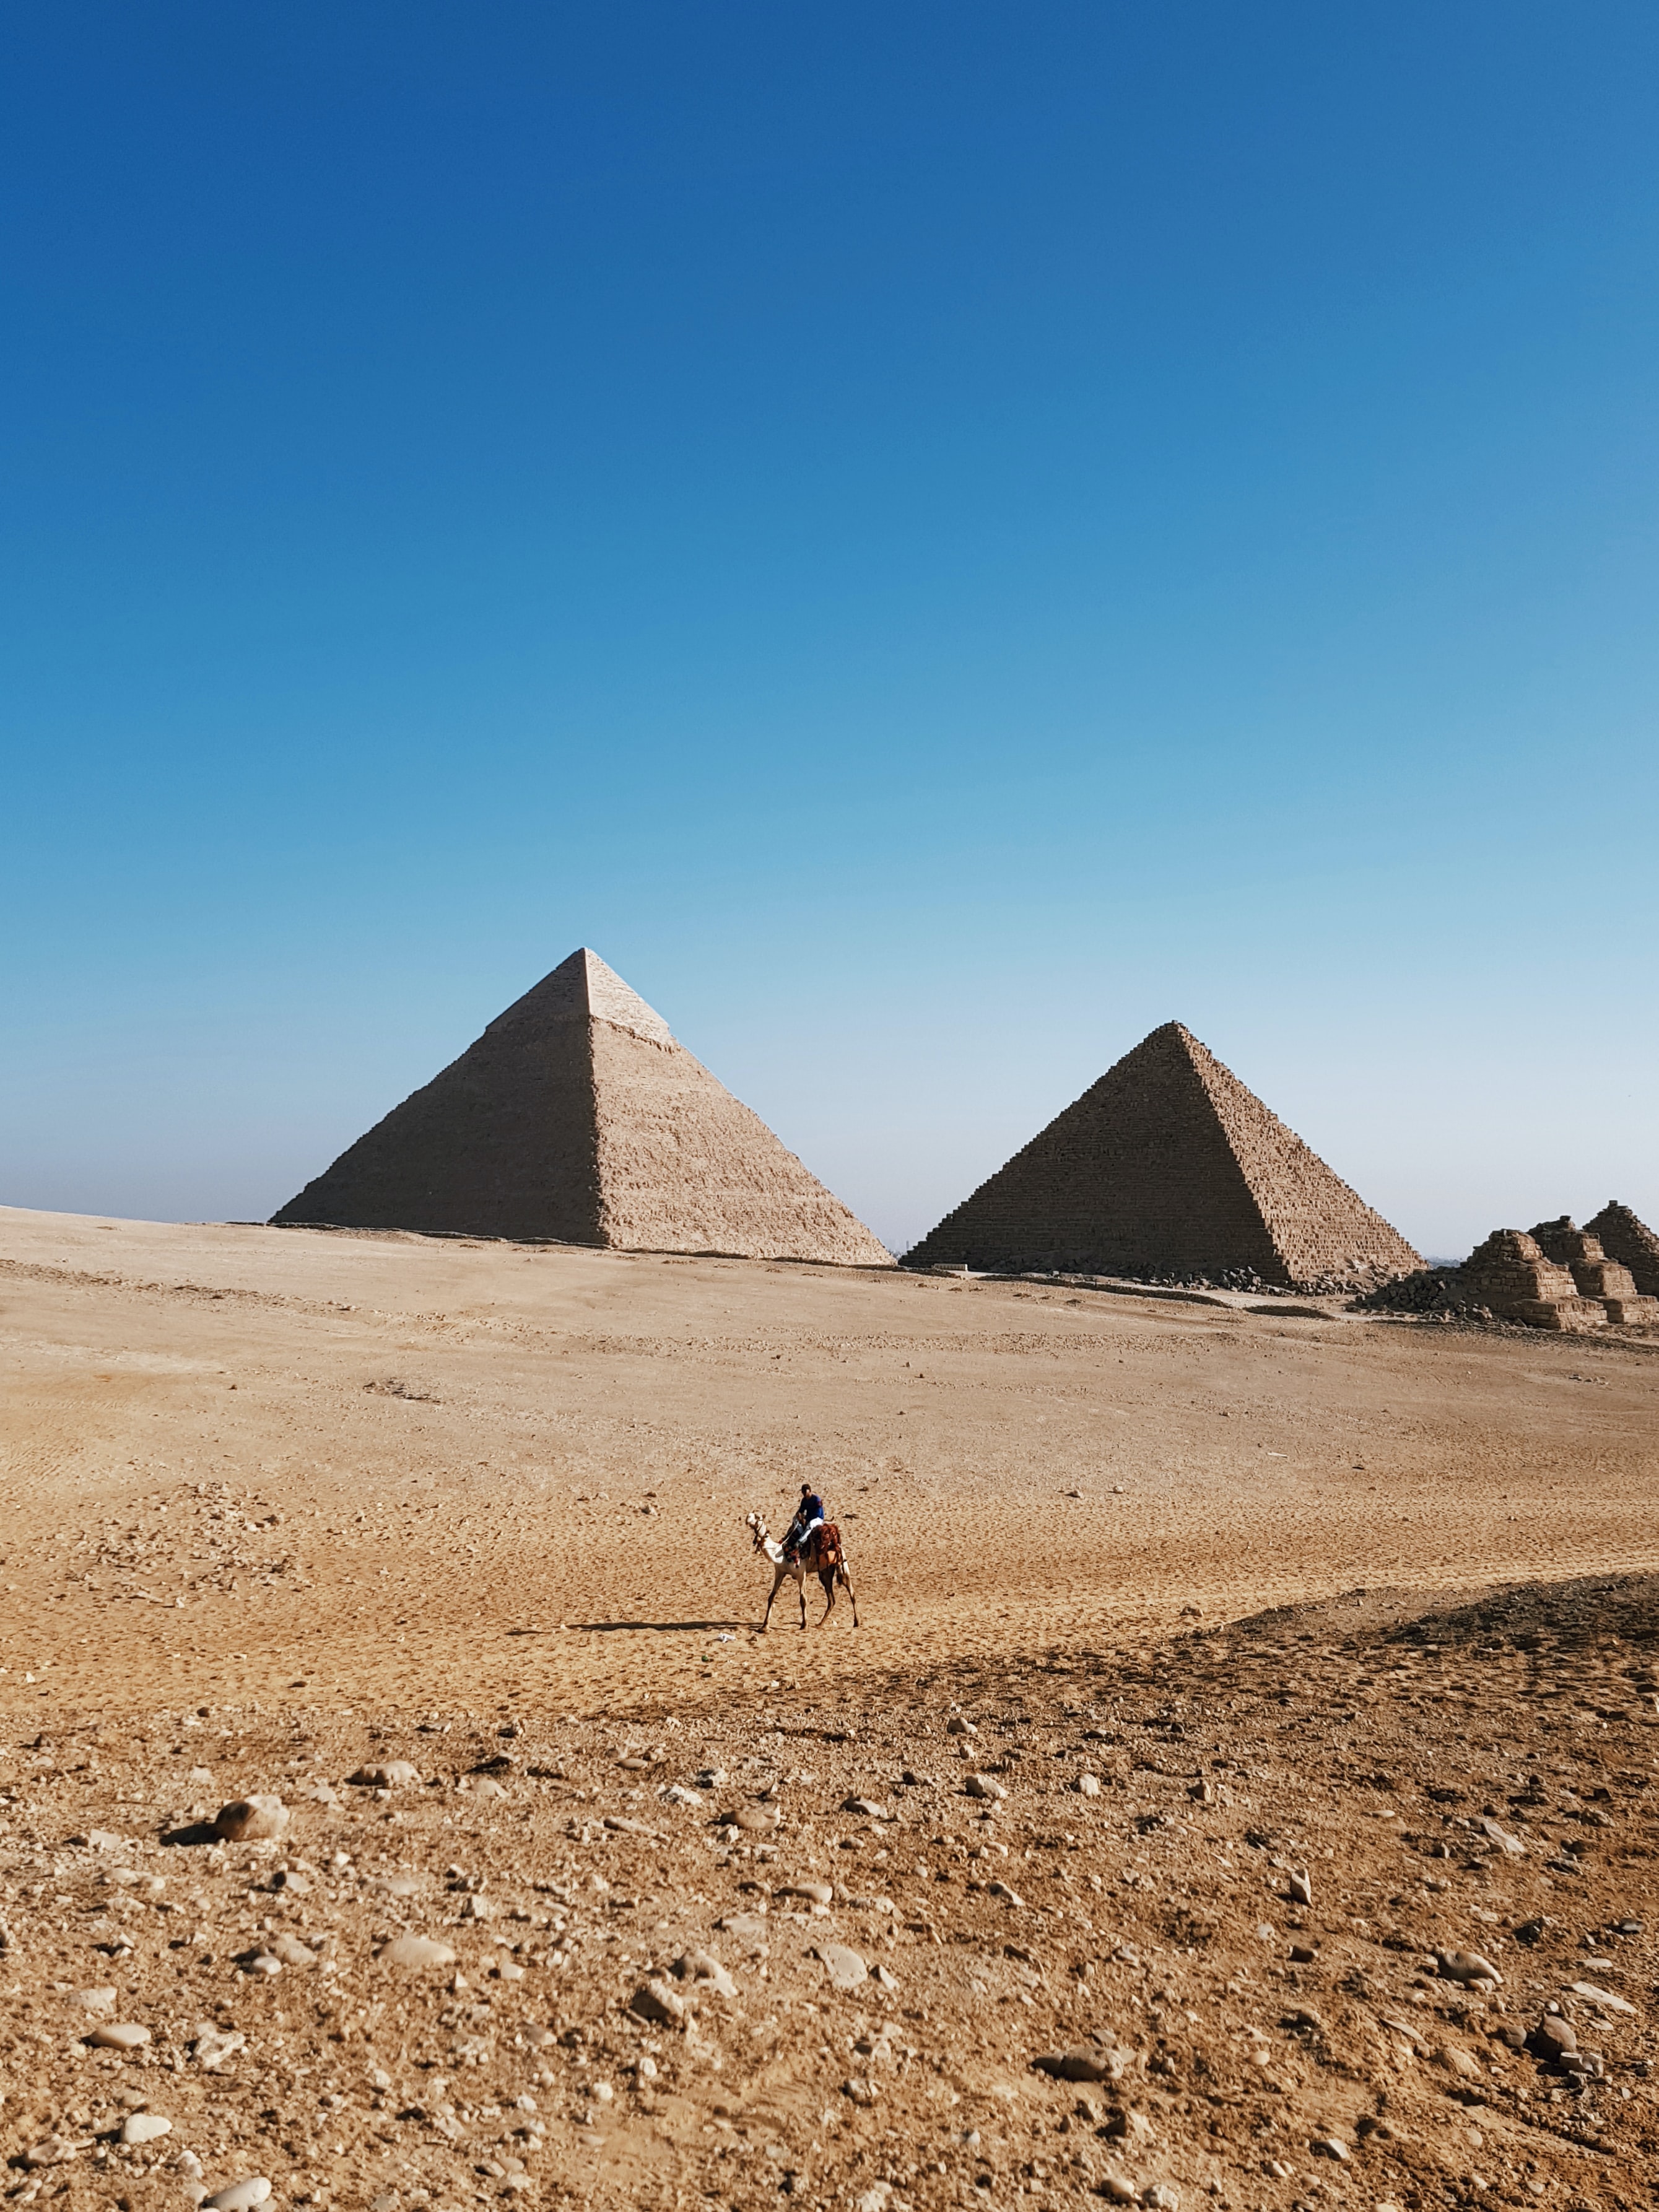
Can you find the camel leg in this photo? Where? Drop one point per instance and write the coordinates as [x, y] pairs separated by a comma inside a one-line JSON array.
[[777, 1585], [827, 1577], [800, 1592], [847, 1583]]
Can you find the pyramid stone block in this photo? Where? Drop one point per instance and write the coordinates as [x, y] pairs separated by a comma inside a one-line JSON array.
[[1511, 1275], [1597, 1276], [1625, 1238], [577, 1116], [1169, 1167]]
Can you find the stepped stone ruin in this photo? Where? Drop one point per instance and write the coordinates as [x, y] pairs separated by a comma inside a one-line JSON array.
[[1168, 1168], [1513, 1277], [1608, 1281], [1630, 1240], [577, 1116], [1558, 1277]]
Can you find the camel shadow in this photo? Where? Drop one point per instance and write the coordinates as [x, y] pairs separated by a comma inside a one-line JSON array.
[[657, 1628]]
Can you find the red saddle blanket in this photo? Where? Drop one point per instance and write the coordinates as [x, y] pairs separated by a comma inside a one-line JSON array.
[[822, 1549]]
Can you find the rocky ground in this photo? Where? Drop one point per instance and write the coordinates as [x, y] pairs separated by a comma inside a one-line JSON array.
[[1348, 1904], [1124, 1770]]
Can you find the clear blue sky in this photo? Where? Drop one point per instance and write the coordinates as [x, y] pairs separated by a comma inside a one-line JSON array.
[[935, 538]]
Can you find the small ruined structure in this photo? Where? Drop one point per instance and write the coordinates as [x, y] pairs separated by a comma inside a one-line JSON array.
[[1595, 1276], [578, 1118], [1511, 1275], [1629, 1239], [1169, 1168]]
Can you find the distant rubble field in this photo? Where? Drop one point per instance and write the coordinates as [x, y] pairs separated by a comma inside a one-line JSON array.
[[1347, 1891]]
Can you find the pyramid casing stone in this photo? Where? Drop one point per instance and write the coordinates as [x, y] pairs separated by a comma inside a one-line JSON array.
[[577, 1118]]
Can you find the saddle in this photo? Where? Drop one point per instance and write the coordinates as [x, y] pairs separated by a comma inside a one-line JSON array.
[[822, 1550]]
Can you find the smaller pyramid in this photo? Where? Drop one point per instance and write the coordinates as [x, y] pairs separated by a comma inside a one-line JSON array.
[[1513, 1277], [1169, 1167], [578, 1118], [1625, 1238]]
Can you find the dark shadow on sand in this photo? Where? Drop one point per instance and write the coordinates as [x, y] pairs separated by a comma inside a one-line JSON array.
[[657, 1628]]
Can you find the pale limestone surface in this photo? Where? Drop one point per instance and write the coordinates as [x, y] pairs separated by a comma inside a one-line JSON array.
[[578, 1118]]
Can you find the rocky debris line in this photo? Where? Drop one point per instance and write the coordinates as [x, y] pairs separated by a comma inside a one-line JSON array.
[[1439, 1293], [1372, 1905]]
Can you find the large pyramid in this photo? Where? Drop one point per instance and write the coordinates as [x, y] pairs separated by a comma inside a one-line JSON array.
[[577, 1116], [1169, 1167]]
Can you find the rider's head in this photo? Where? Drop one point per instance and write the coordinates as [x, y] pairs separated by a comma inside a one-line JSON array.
[[806, 1490]]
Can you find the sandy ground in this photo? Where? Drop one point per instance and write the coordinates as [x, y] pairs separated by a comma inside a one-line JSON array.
[[276, 1503]]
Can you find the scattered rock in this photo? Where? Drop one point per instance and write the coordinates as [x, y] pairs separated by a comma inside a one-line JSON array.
[[1608, 1999], [956, 1726], [395, 1885], [867, 1809], [118, 2035], [1087, 1785], [981, 1785], [416, 1951], [291, 1950], [1467, 1966], [815, 1893], [845, 1968], [653, 2000], [1458, 2062], [677, 1794], [391, 1774], [1331, 2146], [251, 1819], [754, 1819], [239, 2195], [98, 2000], [1301, 1889], [707, 1972], [1511, 1846], [145, 2127], [56, 2150], [1079, 2063], [859, 2091], [747, 1927], [213, 2047]]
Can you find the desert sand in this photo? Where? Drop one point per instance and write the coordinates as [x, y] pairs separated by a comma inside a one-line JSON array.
[[281, 1506]]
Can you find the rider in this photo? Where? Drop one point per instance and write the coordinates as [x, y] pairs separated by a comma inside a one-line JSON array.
[[809, 1515]]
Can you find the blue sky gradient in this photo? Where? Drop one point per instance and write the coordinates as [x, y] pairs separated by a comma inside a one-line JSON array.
[[933, 538]]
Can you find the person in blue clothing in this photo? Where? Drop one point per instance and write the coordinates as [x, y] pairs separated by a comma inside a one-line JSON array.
[[809, 1515]]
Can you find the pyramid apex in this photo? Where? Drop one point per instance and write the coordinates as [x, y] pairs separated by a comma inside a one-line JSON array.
[[584, 988]]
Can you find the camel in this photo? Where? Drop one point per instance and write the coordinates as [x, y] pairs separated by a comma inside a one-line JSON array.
[[821, 1554]]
